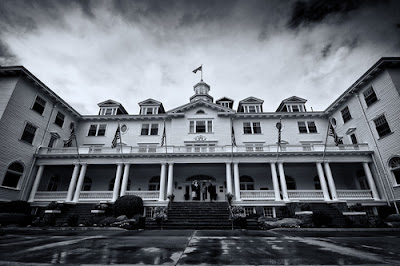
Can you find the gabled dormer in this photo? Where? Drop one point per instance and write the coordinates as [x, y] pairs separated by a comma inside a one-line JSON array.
[[151, 107], [225, 102], [292, 104], [250, 105], [201, 91], [111, 107]]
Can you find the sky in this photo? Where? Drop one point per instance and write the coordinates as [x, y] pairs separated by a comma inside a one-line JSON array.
[[90, 51]]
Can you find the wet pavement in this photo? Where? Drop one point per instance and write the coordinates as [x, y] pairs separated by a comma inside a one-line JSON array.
[[190, 247]]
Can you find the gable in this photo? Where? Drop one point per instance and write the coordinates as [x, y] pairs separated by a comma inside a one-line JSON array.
[[294, 99], [150, 102], [251, 100], [200, 103], [108, 102]]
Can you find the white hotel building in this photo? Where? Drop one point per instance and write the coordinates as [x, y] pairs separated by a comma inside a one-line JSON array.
[[308, 167]]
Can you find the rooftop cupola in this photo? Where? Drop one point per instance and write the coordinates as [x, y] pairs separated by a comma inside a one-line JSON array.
[[201, 91]]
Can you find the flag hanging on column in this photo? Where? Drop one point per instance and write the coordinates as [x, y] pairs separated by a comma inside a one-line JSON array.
[[164, 136], [200, 68], [116, 137], [332, 133], [233, 139], [72, 136]]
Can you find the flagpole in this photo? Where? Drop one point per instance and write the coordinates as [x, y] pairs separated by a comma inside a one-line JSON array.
[[201, 72], [165, 141], [232, 139], [279, 127], [77, 148], [120, 141], [326, 138]]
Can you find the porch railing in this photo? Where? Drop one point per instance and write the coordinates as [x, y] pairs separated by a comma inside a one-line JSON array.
[[150, 149], [257, 195], [354, 194], [95, 195], [145, 195], [50, 195], [306, 194]]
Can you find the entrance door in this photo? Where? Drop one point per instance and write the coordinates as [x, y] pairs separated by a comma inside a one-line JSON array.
[[194, 184]]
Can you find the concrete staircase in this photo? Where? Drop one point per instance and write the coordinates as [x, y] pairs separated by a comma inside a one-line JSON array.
[[196, 215], [338, 219]]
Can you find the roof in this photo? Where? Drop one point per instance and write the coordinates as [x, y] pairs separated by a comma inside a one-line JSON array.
[[292, 99], [200, 102], [224, 99], [110, 102]]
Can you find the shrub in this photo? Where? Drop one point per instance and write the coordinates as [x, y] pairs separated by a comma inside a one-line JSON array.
[[321, 218], [356, 208], [72, 220], [15, 218], [385, 211], [17, 206], [128, 205], [53, 206], [305, 207], [393, 218], [108, 221]]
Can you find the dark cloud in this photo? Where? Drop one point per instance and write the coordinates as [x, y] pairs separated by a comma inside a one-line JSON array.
[[326, 50], [310, 12], [6, 56]]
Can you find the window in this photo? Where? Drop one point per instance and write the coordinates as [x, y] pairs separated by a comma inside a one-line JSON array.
[[53, 183], [295, 108], [147, 148], [346, 114], [201, 126], [250, 147], [29, 133], [394, 165], [252, 108], [59, 119], [97, 130], [149, 111], [382, 126], [200, 112], [370, 96], [251, 127], [353, 138], [39, 105], [249, 210], [307, 127], [108, 111], [52, 142], [246, 182], [149, 129], [269, 212], [290, 183], [13, 175], [362, 180], [317, 184], [87, 184], [154, 183]]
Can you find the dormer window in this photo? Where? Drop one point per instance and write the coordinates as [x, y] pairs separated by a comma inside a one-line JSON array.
[[111, 107], [146, 110], [252, 108]]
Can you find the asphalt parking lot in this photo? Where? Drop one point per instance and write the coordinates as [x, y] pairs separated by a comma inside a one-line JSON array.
[[191, 247]]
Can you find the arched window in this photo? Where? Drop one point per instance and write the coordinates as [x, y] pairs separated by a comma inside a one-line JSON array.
[[200, 112], [13, 175], [290, 183], [317, 183], [53, 183], [394, 165], [87, 184], [246, 182], [154, 183]]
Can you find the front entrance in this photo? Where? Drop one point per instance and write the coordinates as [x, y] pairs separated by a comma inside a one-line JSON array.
[[198, 187]]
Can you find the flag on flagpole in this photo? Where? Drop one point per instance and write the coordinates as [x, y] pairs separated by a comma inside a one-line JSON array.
[[163, 138], [200, 68], [72, 136], [332, 133], [116, 137], [233, 137]]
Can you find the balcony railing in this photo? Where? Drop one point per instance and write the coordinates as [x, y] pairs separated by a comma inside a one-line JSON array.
[[95, 195], [50, 195], [253, 148], [145, 195], [306, 194], [257, 195], [354, 194]]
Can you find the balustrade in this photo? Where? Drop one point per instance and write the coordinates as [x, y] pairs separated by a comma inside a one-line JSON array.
[[257, 195], [50, 195], [306, 194], [95, 195], [354, 194], [145, 195]]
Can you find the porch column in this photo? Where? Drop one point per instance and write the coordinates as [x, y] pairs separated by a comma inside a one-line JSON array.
[[371, 181], [228, 178], [80, 182], [72, 183], [283, 182], [36, 183], [237, 181], [275, 181], [125, 179], [322, 182], [117, 182], [331, 183], [170, 178], [162, 182]]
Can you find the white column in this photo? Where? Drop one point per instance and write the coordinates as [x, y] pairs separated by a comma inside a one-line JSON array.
[[237, 181], [283, 181], [162, 182], [170, 177], [331, 183], [228, 178], [275, 181], [80, 182], [322, 182], [371, 181], [125, 179], [35, 186], [117, 182], [72, 183]]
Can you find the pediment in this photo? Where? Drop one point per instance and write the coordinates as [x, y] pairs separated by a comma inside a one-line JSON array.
[[251, 99], [150, 102], [108, 103], [203, 104], [294, 99]]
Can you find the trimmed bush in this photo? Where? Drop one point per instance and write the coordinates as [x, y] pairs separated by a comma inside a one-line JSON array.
[[108, 221], [128, 205], [72, 220], [321, 218], [393, 218], [17, 206], [15, 218]]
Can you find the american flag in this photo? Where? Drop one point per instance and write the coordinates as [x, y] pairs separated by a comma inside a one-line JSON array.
[[163, 138], [72, 136], [332, 133], [116, 138], [233, 137]]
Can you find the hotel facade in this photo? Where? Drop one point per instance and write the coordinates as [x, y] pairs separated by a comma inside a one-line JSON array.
[[162, 152]]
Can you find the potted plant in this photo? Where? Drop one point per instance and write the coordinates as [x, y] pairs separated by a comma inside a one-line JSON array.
[[238, 217], [171, 197], [160, 215]]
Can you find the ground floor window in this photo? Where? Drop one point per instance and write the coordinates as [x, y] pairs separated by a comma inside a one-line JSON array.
[[394, 165], [154, 183], [13, 175], [269, 212], [148, 212], [249, 210]]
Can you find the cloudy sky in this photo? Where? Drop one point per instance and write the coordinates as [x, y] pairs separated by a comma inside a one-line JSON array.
[[91, 51]]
